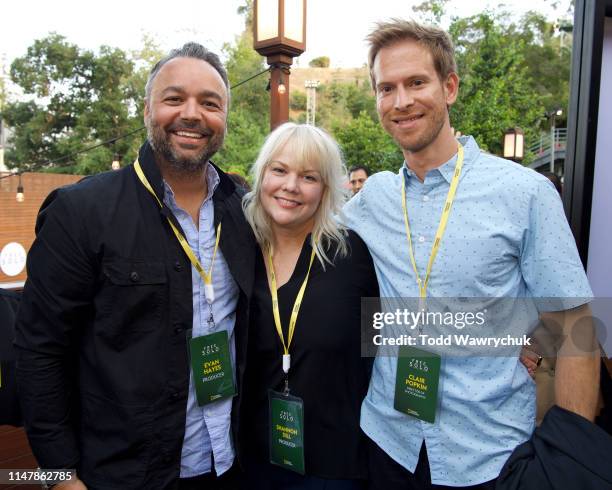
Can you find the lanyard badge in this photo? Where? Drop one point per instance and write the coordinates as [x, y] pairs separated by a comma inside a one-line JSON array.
[[294, 312], [205, 275], [286, 411], [418, 371], [286, 431], [210, 355], [211, 366]]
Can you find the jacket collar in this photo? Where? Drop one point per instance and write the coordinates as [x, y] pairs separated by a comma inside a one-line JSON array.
[[146, 156]]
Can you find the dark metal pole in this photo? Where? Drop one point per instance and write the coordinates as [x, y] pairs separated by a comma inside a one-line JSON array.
[[279, 99]]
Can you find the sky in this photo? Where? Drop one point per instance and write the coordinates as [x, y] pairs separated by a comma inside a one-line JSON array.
[[335, 28]]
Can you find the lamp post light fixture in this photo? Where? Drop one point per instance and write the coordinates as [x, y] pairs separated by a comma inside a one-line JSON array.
[[279, 33], [514, 144]]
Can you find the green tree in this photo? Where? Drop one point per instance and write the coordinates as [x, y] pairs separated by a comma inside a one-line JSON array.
[[338, 103], [431, 11], [77, 98], [364, 142], [496, 90], [547, 52], [320, 62], [297, 101], [249, 115], [2, 89]]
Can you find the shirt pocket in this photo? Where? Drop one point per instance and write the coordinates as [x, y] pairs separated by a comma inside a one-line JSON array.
[[132, 300]]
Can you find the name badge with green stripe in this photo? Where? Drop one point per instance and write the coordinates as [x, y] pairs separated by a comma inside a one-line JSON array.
[[287, 431], [212, 367], [416, 383]]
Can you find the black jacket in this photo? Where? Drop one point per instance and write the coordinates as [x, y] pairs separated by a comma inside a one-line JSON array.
[[567, 452], [10, 414], [103, 367]]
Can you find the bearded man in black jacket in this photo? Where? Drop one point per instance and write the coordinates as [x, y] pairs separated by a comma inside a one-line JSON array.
[[134, 277]]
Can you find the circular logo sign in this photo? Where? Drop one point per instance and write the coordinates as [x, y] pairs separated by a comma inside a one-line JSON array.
[[12, 259]]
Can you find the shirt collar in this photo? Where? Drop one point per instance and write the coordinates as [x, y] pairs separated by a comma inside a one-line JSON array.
[[212, 178], [447, 169]]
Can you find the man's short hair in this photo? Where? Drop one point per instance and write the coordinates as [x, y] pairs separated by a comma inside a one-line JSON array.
[[436, 40], [189, 50], [359, 167]]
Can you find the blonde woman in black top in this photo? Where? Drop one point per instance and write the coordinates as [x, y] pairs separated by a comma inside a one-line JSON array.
[[299, 415]]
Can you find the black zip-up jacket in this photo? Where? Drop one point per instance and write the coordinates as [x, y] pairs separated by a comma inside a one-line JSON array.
[[103, 367]]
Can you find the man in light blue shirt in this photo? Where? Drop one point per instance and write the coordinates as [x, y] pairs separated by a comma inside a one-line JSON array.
[[207, 428], [506, 237]]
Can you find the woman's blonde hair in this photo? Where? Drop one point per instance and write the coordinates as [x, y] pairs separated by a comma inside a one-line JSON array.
[[311, 145]]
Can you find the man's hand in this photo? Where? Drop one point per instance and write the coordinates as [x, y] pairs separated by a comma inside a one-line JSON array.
[[531, 360], [74, 484], [577, 370]]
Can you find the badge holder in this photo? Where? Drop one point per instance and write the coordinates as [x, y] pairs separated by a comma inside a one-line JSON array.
[[211, 367], [286, 431], [416, 383]]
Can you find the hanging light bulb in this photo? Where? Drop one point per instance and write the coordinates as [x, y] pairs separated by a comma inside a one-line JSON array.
[[281, 85], [20, 194], [116, 165]]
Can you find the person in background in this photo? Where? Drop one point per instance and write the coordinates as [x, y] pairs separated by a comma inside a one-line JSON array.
[[304, 332], [554, 178], [357, 177], [10, 413], [240, 181]]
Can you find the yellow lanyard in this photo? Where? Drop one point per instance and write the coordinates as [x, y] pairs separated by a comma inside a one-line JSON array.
[[206, 275], [294, 312], [441, 227]]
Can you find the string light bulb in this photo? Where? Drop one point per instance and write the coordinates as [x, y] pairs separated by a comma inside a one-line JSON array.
[[20, 194], [282, 89], [116, 165]]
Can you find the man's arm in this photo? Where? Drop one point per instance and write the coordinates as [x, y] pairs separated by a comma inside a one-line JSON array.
[[55, 303], [577, 370]]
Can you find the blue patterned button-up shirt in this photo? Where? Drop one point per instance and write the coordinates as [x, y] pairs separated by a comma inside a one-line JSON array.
[[207, 428], [507, 236]]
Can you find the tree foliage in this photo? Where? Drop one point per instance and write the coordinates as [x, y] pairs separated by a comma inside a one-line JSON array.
[[511, 73], [76, 98], [249, 115], [496, 90], [364, 142], [320, 62]]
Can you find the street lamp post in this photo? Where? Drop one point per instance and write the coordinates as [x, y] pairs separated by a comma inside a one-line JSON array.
[[514, 144], [553, 114], [311, 100], [279, 29]]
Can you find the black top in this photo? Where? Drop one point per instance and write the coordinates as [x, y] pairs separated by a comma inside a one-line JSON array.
[[327, 370]]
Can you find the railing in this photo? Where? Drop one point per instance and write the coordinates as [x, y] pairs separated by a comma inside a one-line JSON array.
[[542, 147]]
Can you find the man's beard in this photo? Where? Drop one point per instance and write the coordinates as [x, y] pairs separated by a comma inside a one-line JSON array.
[[430, 134], [160, 142]]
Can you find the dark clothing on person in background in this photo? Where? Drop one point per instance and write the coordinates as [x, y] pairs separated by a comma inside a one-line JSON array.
[[10, 413], [265, 476], [567, 452], [208, 481], [604, 419], [387, 474], [103, 366], [327, 370]]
